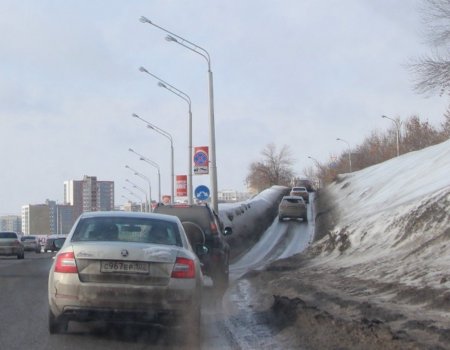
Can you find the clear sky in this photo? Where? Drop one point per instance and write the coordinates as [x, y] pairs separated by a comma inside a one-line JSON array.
[[296, 73]]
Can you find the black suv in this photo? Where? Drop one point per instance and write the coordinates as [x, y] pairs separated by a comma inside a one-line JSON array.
[[204, 228]]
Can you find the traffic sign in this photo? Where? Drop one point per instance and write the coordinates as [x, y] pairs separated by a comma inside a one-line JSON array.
[[201, 193]]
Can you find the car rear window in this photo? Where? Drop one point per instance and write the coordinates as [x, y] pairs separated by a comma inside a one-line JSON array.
[[28, 238], [8, 235], [127, 230], [292, 200]]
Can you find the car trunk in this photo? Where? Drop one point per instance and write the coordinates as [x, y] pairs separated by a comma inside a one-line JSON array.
[[124, 263]]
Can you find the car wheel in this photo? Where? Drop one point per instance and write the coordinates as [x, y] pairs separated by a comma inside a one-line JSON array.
[[56, 325], [305, 218], [21, 256], [280, 218]]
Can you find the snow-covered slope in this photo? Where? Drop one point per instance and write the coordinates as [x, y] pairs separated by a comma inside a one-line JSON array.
[[394, 220]]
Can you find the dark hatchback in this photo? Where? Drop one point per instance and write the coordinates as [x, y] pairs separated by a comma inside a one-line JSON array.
[[205, 229]]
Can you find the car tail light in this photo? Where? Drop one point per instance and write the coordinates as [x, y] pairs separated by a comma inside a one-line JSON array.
[[183, 268], [65, 263]]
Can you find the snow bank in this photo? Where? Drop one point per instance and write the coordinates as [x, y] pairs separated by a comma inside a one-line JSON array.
[[394, 220], [251, 218]]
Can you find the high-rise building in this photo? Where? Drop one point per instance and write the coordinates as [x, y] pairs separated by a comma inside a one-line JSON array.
[[11, 223], [89, 194], [36, 219], [47, 219]]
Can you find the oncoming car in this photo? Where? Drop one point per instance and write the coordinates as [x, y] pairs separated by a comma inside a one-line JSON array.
[[292, 207], [125, 267]]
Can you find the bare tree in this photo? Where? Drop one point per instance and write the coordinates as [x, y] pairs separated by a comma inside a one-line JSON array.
[[274, 169], [433, 71]]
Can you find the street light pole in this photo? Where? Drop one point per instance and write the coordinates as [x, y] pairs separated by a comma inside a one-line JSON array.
[[185, 97], [169, 137], [397, 125], [212, 137], [134, 194], [140, 189], [349, 154], [154, 164], [148, 181]]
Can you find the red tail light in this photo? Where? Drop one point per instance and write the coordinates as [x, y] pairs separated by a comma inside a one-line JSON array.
[[65, 263], [183, 268]]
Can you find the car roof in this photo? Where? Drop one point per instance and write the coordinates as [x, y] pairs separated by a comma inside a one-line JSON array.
[[128, 214]]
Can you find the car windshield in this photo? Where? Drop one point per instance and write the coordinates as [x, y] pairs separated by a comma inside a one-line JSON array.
[[28, 238], [127, 230]]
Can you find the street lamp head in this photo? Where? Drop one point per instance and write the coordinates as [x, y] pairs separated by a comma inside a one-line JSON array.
[[171, 38], [131, 150], [150, 126], [142, 69], [383, 116], [338, 139], [135, 115], [126, 166], [145, 20], [141, 158], [162, 85]]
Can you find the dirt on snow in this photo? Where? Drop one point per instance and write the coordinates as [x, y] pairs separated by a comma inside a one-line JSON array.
[[316, 305]]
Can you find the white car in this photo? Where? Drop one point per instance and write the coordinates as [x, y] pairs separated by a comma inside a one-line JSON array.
[[10, 244], [125, 267], [292, 207], [31, 242]]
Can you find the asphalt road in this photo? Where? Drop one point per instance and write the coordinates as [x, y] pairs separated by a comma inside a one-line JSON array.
[[234, 320], [24, 310]]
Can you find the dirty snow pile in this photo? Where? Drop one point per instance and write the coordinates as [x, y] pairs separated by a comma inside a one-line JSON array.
[[394, 222]]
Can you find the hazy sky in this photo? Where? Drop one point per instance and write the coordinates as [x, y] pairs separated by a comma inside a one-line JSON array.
[[293, 72]]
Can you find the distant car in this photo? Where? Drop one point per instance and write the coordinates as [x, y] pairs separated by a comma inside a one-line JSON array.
[[31, 243], [125, 267], [307, 183], [10, 244], [292, 207], [204, 227], [49, 243], [300, 191]]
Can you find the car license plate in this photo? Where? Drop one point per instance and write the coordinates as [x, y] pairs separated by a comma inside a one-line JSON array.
[[124, 267]]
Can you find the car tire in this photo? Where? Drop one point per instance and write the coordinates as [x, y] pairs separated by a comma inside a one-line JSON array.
[[305, 219], [56, 325], [21, 256], [280, 218]]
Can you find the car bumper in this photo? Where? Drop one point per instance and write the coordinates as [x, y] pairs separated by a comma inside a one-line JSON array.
[[11, 250], [112, 302]]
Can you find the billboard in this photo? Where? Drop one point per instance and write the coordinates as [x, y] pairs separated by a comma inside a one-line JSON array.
[[181, 181]]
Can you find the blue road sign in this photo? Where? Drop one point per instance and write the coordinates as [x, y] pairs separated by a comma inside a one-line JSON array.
[[201, 193]]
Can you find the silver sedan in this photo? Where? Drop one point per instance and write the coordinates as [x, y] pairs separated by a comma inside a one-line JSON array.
[[126, 267]]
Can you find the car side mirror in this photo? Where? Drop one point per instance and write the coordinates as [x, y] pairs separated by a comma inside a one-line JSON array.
[[201, 250], [227, 231]]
